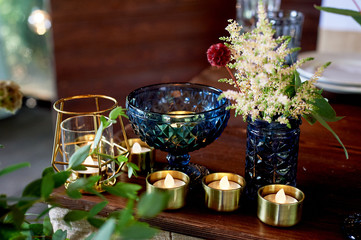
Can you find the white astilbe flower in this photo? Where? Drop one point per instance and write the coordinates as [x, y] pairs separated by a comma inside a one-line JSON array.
[[266, 87]]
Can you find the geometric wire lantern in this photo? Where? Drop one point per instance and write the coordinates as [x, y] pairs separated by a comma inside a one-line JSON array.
[[97, 105]]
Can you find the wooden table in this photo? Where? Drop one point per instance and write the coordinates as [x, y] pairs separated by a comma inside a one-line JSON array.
[[330, 182]]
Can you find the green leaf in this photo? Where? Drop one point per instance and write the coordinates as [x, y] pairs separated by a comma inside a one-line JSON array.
[[357, 19], [47, 226], [14, 167], [324, 123], [48, 170], [47, 186], [36, 229], [325, 110], [21, 237], [17, 216], [310, 119], [151, 204], [90, 237], [297, 80], [45, 211], [60, 178], [3, 202], [75, 215], [98, 135], [134, 166], [346, 12], [118, 111], [138, 231], [33, 189], [60, 235], [86, 184], [130, 171], [122, 158], [96, 222], [122, 189], [106, 231], [97, 208], [125, 216], [79, 168], [79, 156], [105, 122]]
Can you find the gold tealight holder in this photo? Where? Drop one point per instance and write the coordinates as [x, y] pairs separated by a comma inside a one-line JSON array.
[[77, 121], [277, 214], [142, 157], [223, 199], [177, 192]]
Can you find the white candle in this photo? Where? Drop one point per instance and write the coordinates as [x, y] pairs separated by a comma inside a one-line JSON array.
[[169, 182], [280, 197], [90, 170], [136, 149], [224, 184]]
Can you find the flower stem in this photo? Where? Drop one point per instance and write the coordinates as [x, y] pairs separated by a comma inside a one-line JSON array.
[[358, 7], [233, 78]]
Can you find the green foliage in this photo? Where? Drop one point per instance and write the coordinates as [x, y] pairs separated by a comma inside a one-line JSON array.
[[13, 168], [119, 224], [122, 189], [138, 230], [97, 208], [75, 215], [106, 231], [354, 14], [151, 204], [79, 156], [60, 235]]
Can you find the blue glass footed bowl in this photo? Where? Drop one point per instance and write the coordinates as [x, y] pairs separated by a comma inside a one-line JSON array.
[[178, 118]]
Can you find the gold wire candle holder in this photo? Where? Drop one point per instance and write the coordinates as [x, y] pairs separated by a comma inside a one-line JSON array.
[[75, 128]]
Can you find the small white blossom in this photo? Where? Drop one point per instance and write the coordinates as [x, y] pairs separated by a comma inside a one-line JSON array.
[[283, 99], [265, 85], [269, 68]]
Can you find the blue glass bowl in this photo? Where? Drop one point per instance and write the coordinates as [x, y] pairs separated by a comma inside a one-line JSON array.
[[178, 118]]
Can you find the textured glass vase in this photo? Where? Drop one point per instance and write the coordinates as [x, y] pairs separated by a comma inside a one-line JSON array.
[[271, 155], [178, 118]]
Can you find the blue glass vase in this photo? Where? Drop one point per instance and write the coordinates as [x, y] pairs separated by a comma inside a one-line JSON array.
[[178, 118], [271, 154]]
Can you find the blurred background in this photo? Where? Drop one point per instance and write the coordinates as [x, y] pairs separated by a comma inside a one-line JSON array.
[[56, 48]]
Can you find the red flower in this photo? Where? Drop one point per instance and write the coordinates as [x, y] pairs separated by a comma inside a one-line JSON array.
[[218, 55]]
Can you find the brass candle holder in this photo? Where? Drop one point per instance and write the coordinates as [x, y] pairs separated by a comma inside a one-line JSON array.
[[76, 127], [177, 194], [144, 159], [280, 214], [223, 200]]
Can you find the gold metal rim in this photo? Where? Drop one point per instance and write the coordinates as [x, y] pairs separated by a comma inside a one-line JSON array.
[[62, 100], [217, 176]]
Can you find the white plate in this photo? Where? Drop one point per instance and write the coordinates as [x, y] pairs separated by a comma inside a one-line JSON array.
[[336, 88], [345, 69]]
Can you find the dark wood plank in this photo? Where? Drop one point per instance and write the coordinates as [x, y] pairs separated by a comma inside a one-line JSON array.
[[113, 47]]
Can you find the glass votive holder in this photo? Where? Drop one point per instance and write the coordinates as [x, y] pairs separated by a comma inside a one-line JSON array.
[[176, 187], [220, 195], [288, 23], [280, 213], [142, 155], [78, 131]]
